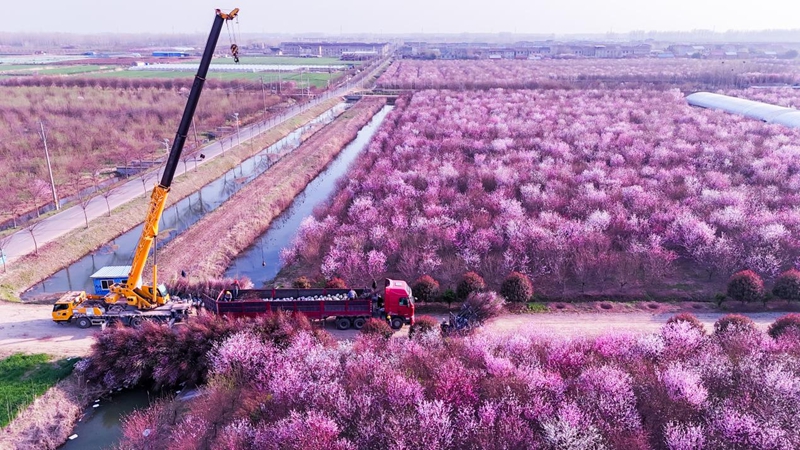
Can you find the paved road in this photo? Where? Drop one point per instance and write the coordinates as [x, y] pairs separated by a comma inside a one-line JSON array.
[[25, 241]]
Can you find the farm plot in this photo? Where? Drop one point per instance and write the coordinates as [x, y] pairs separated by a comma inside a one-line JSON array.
[[485, 74], [624, 192], [90, 128]]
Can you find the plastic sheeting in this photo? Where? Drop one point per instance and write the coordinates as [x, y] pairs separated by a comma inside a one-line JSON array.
[[748, 108]]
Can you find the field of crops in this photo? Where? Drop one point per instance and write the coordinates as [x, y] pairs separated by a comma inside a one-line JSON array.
[[584, 190]]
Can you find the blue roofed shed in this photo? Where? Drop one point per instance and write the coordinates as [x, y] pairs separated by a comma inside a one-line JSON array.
[[105, 277]]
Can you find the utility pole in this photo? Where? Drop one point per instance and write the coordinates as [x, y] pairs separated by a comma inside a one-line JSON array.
[[196, 141], [263, 94], [238, 136], [49, 168]]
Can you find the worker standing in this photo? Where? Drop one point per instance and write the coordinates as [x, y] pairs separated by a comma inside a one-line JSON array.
[[235, 288]]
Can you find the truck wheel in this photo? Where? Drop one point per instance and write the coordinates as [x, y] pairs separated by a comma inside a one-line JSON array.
[[83, 322], [358, 323], [396, 323], [342, 323], [136, 321]]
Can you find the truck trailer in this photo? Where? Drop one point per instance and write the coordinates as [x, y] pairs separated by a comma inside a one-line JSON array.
[[348, 307]]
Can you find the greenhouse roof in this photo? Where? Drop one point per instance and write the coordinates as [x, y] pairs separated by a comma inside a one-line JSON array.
[[748, 108]]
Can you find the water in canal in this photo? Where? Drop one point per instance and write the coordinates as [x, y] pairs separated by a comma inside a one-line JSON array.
[[99, 428], [176, 218], [261, 262]]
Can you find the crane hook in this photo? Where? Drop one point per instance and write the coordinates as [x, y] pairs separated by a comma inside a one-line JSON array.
[[235, 52]]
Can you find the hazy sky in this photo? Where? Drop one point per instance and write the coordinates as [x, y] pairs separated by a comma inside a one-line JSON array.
[[382, 16]]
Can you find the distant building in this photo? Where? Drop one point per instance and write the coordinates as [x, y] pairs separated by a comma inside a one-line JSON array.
[[171, 54], [333, 49]]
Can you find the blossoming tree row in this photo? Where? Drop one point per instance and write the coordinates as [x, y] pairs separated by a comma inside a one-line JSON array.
[[483, 74]]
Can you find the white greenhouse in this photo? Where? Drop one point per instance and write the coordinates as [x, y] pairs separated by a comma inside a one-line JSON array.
[[748, 108]]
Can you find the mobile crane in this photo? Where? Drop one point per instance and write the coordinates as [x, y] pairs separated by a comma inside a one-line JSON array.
[[131, 302]]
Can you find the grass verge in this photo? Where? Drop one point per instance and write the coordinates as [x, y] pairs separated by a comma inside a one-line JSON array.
[[55, 255], [25, 377]]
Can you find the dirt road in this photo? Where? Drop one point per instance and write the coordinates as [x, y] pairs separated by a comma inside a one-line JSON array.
[[29, 329], [596, 323]]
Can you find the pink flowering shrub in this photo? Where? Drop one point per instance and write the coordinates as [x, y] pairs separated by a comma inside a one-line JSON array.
[[581, 190], [124, 357], [787, 285], [746, 286], [483, 391], [517, 287]]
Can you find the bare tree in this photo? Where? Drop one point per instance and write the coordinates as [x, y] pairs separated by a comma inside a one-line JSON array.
[[36, 191], [32, 228], [106, 192], [83, 198]]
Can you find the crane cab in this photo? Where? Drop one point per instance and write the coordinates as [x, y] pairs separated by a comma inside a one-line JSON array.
[[76, 302]]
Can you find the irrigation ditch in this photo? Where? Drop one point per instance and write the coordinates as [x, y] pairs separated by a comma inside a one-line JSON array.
[[238, 223], [261, 260]]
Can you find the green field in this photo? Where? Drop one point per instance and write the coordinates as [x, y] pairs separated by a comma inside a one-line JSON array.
[[25, 377], [286, 60], [13, 67], [51, 70], [316, 79], [71, 70]]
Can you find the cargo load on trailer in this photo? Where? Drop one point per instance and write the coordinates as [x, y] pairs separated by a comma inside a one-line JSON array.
[[350, 308]]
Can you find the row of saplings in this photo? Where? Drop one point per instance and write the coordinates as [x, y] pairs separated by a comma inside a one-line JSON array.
[[747, 286]]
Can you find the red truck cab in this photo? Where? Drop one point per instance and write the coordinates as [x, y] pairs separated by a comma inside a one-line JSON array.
[[398, 303]]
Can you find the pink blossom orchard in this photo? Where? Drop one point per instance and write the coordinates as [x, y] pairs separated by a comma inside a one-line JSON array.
[[578, 189], [676, 389], [484, 74]]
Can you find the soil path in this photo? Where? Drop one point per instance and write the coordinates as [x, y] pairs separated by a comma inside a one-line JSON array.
[[29, 329]]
